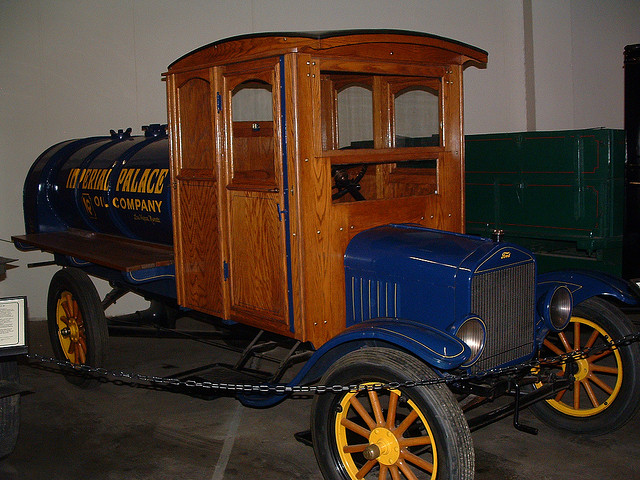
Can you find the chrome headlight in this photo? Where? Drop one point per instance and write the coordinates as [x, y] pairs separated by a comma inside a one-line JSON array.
[[557, 307], [473, 333]]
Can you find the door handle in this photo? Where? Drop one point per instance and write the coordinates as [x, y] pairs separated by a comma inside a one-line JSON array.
[[281, 212]]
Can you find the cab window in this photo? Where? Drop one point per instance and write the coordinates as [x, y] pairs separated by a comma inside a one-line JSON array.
[[367, 120]]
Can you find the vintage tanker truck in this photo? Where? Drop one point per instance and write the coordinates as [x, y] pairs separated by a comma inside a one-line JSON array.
[[311, 186]]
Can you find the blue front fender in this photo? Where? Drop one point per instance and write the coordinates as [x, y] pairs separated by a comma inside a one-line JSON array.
[[431, 345], [586, 284], [436, 348]]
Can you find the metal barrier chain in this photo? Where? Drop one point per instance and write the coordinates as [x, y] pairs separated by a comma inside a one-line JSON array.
[[282, 389]]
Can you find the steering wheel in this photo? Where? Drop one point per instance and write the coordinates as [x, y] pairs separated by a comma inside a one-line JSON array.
[[344, 183]]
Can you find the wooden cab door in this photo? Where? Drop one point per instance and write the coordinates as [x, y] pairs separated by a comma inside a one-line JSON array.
[[196, 177], [256, 241]]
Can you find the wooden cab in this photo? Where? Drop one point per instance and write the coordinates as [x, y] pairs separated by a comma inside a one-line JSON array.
[[285, 146]]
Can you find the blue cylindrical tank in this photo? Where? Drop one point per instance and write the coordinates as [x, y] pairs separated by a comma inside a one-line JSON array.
[[117, 184]]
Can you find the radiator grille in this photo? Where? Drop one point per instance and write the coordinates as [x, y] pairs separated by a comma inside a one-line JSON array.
[[505, 300]]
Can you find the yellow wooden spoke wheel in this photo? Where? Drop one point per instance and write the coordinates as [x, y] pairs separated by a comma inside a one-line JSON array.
[[597, 378], [71, 330], [605, 390], [405, 433], [77, 324], [381, 430]]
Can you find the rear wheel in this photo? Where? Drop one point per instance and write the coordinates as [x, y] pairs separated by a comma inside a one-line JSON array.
[[408, 432], [77, 323], [606, 389]]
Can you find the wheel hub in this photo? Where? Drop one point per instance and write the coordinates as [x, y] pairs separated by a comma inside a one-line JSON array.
[[383, 446], [71, 331], [581, 369]]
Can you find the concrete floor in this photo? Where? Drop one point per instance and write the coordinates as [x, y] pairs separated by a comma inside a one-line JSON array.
[[119, 431]]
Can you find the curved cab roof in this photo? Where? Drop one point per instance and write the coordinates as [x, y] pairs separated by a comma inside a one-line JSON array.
[[406, 46]]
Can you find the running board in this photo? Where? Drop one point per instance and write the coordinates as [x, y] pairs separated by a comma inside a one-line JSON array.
[[247, 370]]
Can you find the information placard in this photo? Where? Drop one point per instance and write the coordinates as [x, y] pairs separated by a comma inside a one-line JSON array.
[[12, 324]]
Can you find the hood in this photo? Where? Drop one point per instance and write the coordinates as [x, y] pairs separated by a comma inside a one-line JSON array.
[[405, 250], [419, 274]]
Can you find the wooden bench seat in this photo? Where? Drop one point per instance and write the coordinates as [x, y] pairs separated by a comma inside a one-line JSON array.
[[106, 250]]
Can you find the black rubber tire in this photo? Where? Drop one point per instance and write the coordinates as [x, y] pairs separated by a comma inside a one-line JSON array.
[[9, 409], [92, 323], [435, 406], [613, 409]]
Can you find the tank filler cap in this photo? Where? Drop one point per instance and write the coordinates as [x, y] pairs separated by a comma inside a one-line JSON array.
[[120, 134], [155, 130]]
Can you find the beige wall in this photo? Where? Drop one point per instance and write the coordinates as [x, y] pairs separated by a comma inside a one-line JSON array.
[[77, 68], [578, 45]]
